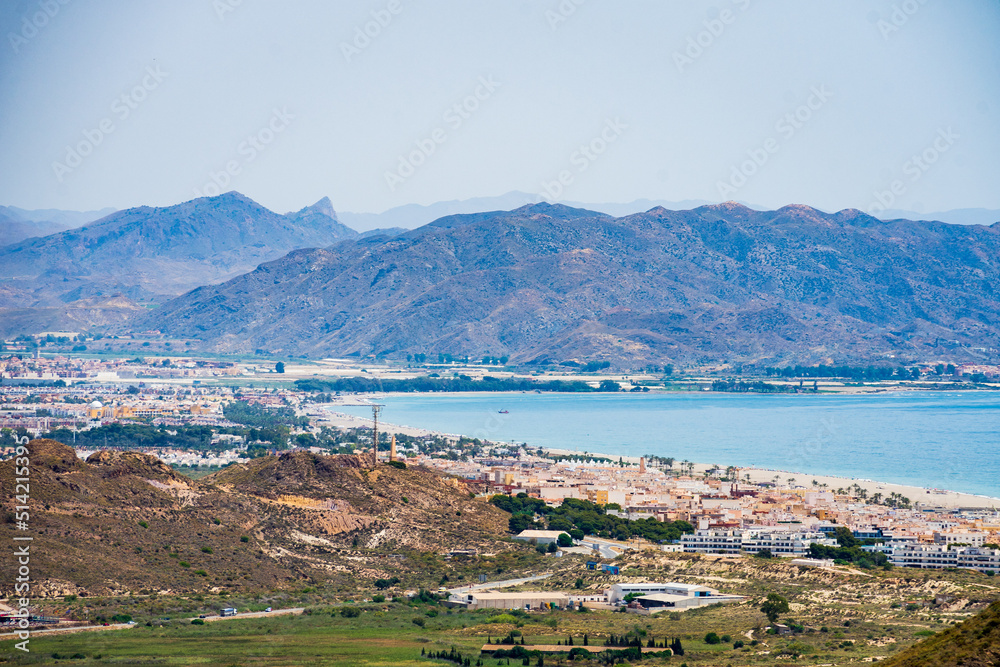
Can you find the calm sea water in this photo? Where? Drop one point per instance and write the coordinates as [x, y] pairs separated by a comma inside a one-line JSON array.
[[947, 440]]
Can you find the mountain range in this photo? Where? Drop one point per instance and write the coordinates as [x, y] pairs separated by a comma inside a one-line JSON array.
[[148, 254], [540, 283], [545, 283], [411, 216]]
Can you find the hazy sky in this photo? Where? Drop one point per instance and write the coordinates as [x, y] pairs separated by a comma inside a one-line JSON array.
[[388, 102]]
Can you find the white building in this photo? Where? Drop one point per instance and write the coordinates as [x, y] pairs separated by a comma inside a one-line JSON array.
[[617, 593], [936, 556], [657, 597], [976, 539], [735, 542], [539, 536]]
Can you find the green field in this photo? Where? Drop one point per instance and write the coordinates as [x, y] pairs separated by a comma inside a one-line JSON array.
[[386, 634]]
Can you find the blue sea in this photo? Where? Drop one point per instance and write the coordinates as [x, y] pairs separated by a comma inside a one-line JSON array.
[[945, 440]]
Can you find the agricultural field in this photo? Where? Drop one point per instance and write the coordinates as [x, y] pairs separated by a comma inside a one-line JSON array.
[[839, 617]]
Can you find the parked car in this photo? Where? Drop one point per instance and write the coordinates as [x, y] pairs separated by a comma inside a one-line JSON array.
[[268, 609]]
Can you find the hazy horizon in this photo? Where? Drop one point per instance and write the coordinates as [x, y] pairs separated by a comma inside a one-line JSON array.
[[387, 103]]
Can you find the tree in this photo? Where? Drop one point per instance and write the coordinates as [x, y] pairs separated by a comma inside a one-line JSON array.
[[764, 553], [774, 606], [712, 638], [553, 548], [280, 367], [845, 537], [565, 540]]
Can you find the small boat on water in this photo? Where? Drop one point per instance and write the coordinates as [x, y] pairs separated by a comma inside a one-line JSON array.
[[504, 412]]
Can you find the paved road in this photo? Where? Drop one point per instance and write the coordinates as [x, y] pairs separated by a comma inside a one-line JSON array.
[[122, 626], [604, 548], [258, 614], [498, 584]]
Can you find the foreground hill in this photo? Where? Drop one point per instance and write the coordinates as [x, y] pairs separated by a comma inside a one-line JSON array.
[[551, 283], [972, 643], [123, 521], [152, 254]]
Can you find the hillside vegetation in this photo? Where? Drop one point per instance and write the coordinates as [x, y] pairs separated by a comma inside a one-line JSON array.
[[973, 643], [124, 522]]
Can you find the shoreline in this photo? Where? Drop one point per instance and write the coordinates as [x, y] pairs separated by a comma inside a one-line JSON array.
[[922, 495], [916, 494]]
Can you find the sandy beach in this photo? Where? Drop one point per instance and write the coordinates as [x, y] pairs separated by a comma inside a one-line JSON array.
[[925, 497], [916, 494]]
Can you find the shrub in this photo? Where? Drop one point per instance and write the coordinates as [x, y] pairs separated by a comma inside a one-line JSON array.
[[184, 563], [201, 573], [206, 550], [216, 521], [121, 618], [712, 638], [726, 639], [405, 499], [419, 621], [398, 464], [738, 644], [503, 618], [378, 599], [144, 524], [350, 612], [244, 539], [197, 621]]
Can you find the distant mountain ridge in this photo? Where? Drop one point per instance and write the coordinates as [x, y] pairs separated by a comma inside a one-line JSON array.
[[17, 224], [548, 282], [155, 253], [411, 216]]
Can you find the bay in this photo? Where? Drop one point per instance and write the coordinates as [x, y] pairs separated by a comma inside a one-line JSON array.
[[946, 440]]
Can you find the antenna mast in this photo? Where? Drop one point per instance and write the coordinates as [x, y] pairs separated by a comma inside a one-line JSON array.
[[376, 411]]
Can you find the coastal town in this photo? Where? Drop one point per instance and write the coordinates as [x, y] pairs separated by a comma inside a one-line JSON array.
[[730, 510]]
